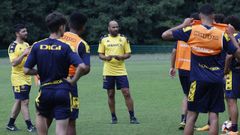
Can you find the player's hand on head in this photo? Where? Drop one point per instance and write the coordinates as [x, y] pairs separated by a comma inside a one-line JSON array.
[[172, 72], [188, 22], [230, 30]]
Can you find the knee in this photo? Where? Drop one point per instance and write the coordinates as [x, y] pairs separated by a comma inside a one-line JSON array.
[[231, 102], [72, 123], [17, 101], [126, 94], [25, 102], [111, 95]]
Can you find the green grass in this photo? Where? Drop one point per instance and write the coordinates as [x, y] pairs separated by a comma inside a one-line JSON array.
[[157, 99]]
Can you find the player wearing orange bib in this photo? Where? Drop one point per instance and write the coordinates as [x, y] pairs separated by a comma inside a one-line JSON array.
[[78, 45], [208, 51], [180, 59]]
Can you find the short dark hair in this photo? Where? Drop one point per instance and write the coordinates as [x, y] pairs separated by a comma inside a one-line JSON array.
[[77, 20], [18, 27], [195, 16], [234, 21], [206, 9], [54, 20], [219, 18]]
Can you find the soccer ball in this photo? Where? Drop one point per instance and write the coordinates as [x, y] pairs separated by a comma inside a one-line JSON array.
[[226, 126]]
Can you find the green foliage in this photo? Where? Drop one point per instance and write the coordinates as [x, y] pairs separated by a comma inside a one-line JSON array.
[[142, 21], [6, 17]]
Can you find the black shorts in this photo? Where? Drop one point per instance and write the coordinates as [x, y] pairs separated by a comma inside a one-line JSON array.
[[232, 85], [21, 92], [74, 102], [54, 103], [109, 82], [185, 83], [206, 97]]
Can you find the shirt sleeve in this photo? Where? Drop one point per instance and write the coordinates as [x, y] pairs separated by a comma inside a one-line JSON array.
[[31, 59], [12, 52], [101, 48], [84, 53], [74, 59], [182, 34], [127, 46], [228, 46]]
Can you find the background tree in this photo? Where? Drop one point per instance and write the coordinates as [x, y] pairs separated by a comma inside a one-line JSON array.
[[142, 21]]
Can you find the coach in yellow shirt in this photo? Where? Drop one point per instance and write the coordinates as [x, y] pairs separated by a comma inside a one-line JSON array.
[[21, 83], [113, 49]]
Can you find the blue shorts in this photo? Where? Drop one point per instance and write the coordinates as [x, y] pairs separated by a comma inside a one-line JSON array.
[[109, 82], [21, 92], [185, 83], [74, 103], [54, 103], [206, 97], [232, 85]]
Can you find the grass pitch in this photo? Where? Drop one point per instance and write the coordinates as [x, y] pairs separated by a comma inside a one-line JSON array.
[[157, 99]]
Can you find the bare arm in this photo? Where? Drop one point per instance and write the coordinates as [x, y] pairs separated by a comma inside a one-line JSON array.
[[79, 73], [105, 58], [122, 57], [234, 41], [227, 64], [29, 71], [86, 70], [230, 30], [19, 59], [168, 34], [172, 71]]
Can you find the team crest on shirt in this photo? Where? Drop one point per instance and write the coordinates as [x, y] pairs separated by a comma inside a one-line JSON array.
[[22, 87], [120, 40], [108, 41]]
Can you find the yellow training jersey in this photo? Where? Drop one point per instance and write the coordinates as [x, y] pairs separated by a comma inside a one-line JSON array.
[[118, 45], [18, 77]]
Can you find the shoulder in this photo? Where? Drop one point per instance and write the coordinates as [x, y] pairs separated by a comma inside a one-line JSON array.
[[62, 43], [237, 37], [25, 43], [40, 41], [189, 28], [12, 47], [123, 37], [226, 37], [84, 43], [104, 37]]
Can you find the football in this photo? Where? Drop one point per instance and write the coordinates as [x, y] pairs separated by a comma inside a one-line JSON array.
[[226, 126]]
